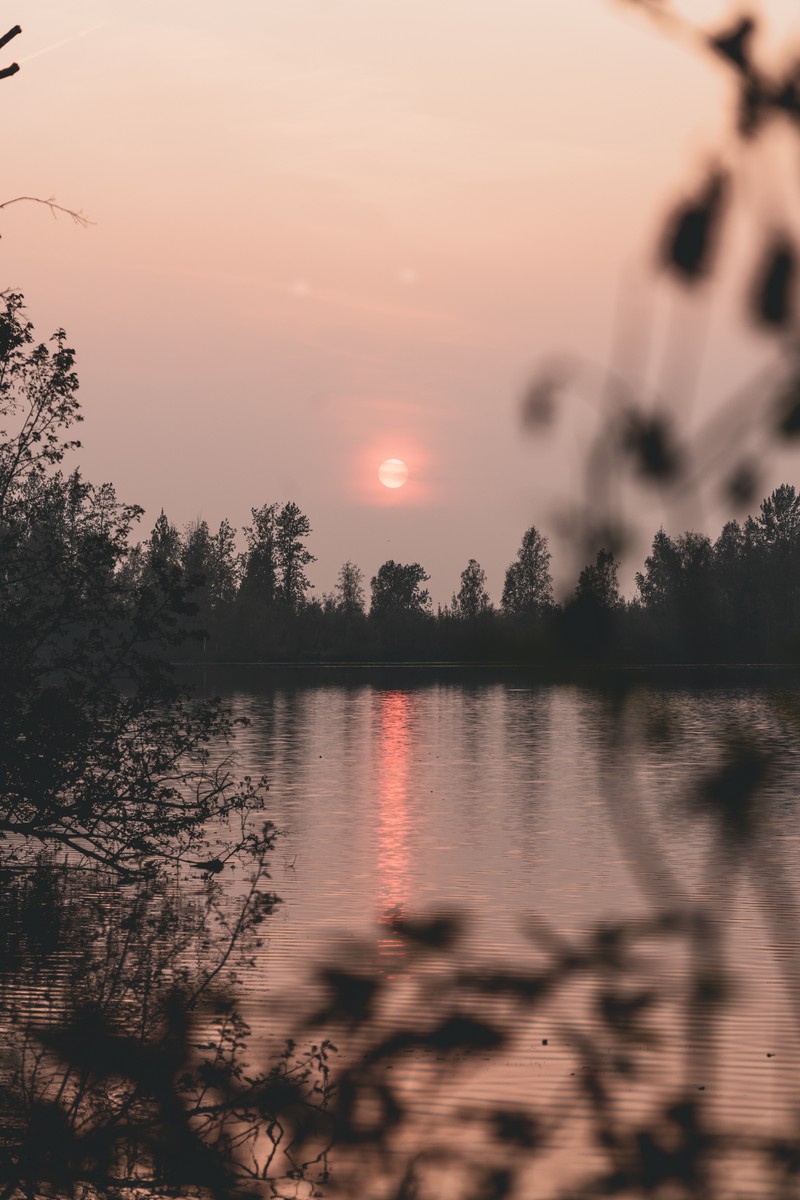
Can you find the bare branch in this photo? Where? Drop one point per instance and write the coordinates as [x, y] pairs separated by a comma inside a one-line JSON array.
[[6, 38], [78, 217]]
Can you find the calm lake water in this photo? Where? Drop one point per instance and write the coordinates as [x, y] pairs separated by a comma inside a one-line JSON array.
[[404, 791], [543, 813], [401, 791]]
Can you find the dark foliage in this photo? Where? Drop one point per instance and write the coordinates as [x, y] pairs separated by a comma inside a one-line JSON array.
[[650, 442], [397, 590], [735, 44], [102, 752], [692, 232], [157, 1088], [735, 599], [773, 303]]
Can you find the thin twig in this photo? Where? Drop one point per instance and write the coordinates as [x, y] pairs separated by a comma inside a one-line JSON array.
[[78, 217]]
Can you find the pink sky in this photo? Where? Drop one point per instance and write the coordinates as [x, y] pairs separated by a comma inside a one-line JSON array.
[[329, 232]]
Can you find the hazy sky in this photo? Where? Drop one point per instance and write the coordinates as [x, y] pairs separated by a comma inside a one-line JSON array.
[[329, 232]]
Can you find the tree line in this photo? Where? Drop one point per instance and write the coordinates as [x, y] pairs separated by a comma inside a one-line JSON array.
[[79, 598], [733, 599], [74, 588]]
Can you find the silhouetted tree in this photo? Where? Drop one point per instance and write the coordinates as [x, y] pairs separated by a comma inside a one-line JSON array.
[[275, 557], [195, 550], [678, 587], [472, 599], [590, 621], [779, 518], [673, 570], [397, 589], [163, 551], [528, 587], [292, 555], [736, 589], [348, 595], [102, 752], [195, 561], [774, 569], [661, 568], [599, 582], [130, 572], [208, 562], [260, 559], [223, 579]]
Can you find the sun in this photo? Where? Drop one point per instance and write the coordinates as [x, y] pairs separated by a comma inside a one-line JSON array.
[[393, 473]]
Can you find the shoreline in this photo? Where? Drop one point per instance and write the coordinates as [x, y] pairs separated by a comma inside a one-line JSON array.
[[536, 672]]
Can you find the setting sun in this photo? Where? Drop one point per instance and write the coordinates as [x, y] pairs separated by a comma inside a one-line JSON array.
[[393, 473]]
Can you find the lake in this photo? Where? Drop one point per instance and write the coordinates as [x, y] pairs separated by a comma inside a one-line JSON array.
[[540, 807], [623, 861]]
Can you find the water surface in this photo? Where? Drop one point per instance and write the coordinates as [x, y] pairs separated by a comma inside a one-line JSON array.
[[568, 824], [519, 803]]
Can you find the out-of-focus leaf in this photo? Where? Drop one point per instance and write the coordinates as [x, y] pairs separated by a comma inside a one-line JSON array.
[[611, 943], [691, 231], [455, 1033], [788, 410], [527, 987], [349, 997], [465, 1033], [517, 1127], [731, 792], [622, 1012], [712, 988], [772, 299], [540, 402], [608, 535], [436, 933], [734, 44], [648, 440], [754, 103], [670, 1151], [492, 1185], [787, 94], [358, 1102], [741, 486]]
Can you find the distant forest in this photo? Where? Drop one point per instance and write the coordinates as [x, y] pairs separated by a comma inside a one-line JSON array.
[[736, 599]]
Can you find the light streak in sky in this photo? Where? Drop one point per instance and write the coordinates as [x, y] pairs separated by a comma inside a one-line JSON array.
[[64, 42]]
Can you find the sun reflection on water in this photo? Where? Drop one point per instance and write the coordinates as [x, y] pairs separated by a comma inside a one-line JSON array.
[[394, 714]]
